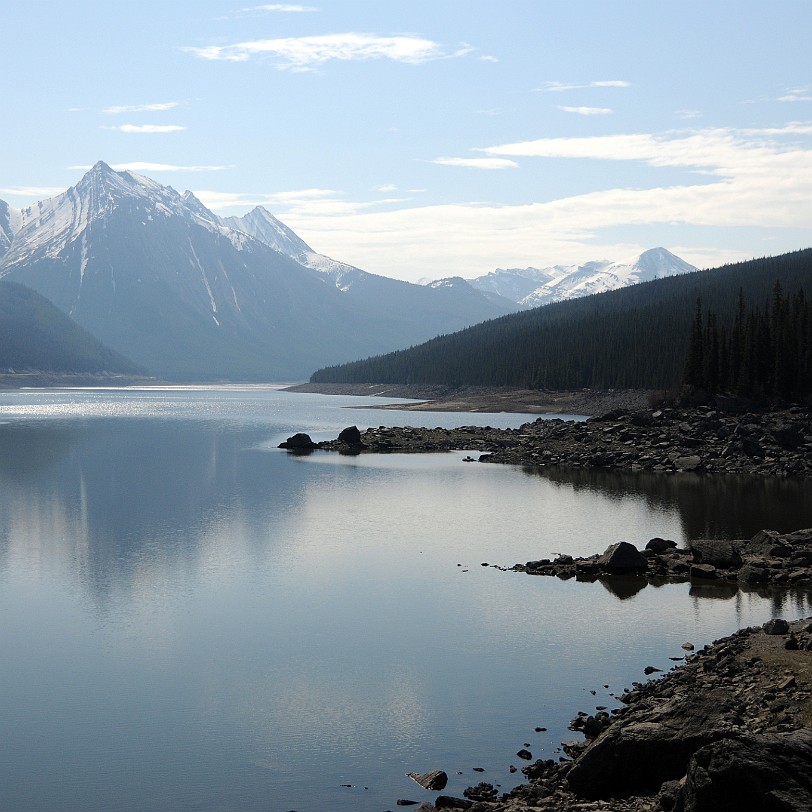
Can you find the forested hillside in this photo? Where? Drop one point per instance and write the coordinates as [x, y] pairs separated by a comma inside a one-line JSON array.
[[35, 335], [636, 337]]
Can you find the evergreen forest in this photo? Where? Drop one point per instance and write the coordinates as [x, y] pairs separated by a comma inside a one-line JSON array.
[[741, 328]]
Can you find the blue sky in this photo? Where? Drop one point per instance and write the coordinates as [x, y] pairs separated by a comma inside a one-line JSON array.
[[431, 139]]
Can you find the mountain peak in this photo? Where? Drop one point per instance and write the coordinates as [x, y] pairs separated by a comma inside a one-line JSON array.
[[532, 287]]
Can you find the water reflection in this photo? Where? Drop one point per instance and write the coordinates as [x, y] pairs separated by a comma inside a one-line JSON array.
[[708, 506], [108, 499]]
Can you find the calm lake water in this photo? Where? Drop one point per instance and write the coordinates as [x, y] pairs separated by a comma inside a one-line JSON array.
[[192, 619]]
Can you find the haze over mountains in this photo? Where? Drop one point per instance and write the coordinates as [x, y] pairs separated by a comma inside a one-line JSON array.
[[187, 295], [532, 287]]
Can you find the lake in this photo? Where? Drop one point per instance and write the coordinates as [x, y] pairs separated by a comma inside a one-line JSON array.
[[192, 619]]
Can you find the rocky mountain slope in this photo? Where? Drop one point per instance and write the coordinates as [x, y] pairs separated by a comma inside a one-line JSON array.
[[190, 296]]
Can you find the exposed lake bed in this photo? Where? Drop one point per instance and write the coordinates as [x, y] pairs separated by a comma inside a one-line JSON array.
[[198, 620]]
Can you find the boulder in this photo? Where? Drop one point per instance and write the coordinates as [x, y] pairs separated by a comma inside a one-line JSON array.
[[622, 557], [752, 574], [769, 771], [450, 802], [350, 436], [638, 755], [789, 437], [720, 553], [435, 780], [660, 546], [767, 544], [702, 571], [690, 462], [776, 626], [298, 442]]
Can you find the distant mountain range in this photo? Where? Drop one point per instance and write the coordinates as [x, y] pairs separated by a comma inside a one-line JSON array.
[[188, 295], [635, 337], [532, 287]]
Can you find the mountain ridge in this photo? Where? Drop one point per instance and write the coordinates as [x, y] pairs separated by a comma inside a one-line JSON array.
[[533, 287], [186, 294]]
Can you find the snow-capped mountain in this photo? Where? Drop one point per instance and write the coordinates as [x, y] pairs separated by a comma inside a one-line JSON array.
[[189, 295], [532, 287], [9, 223]]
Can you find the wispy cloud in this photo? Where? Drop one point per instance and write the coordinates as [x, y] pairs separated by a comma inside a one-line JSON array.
[[302, 202], [477, 163], [560, 87], [587, 111], [38, 192], [147, 128], [758, 181], [284, 8], [146, 166], [688, 114], [141, 108], [797, 94], [305, 53]]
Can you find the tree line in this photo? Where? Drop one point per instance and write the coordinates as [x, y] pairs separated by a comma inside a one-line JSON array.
[[765, 354], [633, 338]]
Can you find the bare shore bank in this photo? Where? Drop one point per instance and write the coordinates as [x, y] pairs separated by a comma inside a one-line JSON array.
[[436, 398]]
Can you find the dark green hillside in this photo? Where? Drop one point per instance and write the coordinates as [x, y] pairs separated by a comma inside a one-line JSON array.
[[636, 337], [35, 335]]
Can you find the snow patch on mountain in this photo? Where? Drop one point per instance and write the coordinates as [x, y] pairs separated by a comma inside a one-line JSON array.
[[532, 287], [10, 221]]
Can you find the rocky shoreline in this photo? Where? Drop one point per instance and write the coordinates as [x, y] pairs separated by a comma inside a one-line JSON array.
[[768, 557], [719, 440], [730, 728]]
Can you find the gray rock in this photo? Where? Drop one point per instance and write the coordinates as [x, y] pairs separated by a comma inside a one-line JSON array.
[[751, 574], [720, 553], [703, 571], [689, 463], [622, 557], [298, 442], [659, 545], [770, 772], [350, 436], [435, 780], [450, 802], [655, 746], [776, 626]]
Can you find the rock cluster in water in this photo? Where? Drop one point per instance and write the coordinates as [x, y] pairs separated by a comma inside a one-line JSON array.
[[705, 439], [768, 557]]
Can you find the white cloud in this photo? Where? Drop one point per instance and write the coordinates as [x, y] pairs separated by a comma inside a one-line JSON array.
[[39, 192], [326, 203], [477, 163], [282, 7], [147, 128], [304, 53], [797, 94], [758, 181], [488, 58], [141, 108], [386, 187], [688, 114], [587, 111], [560, 87], [145, 166]]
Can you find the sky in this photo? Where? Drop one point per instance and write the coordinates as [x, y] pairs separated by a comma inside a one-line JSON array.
[[432, 139]]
